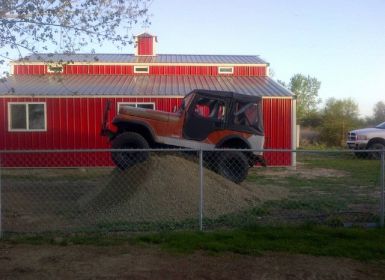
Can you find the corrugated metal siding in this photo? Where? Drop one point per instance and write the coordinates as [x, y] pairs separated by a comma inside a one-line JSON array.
[[29, 69], [74, 69], [74, 123], [159, 58], [145, 46], [278, 129], [143, 85]]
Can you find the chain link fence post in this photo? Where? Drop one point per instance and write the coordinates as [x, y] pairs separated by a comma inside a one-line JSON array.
[[382, 184], [1, 205], [201, 190]]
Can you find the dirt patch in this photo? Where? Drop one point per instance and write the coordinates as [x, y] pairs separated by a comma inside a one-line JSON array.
[[300, 171], [149, 192], [131, 262]]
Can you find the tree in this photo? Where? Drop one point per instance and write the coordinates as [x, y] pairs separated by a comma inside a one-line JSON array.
[[71, 25], [306, 89], [379, 112], [338, 117]]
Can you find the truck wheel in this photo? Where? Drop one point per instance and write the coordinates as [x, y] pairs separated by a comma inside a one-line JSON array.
[[376, 146], [233, 166], [129, 140]]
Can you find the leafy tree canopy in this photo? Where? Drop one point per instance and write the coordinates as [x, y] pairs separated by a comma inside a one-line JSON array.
[[379, 112], [37, 25], [306, 89], [338, 117]]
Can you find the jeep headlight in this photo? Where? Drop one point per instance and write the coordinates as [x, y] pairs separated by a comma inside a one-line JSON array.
[[362, 137]]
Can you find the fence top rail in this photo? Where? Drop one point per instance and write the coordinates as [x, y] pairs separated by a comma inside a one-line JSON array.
[[183, 150]]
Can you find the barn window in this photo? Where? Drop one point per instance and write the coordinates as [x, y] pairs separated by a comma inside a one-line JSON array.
[[141, 69], [144, 105], [55, 68], [27, 116], [225, 70]]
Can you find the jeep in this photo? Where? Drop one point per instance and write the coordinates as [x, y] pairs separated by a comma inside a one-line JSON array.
[[367, 139], [205, 120]]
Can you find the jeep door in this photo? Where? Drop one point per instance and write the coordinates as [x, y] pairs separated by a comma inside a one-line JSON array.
[[205, 115]]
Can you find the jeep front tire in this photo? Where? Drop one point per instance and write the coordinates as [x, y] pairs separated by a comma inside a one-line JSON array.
[[129, 140]]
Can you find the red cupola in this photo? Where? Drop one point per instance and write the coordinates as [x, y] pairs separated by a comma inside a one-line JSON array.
[[145, 44]]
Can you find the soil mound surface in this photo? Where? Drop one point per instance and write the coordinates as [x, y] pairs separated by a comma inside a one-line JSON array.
[[167, 188]]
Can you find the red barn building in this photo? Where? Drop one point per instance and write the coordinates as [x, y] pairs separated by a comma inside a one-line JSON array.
[[56, 101]]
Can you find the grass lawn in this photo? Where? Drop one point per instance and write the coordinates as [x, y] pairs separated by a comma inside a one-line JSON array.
[[334, 188], [355, 243]]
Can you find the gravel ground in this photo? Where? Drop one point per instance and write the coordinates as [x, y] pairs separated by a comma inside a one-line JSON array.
[[149, 192], [164, 189]]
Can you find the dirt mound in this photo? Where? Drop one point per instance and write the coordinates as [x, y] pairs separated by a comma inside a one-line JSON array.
[[167, 188]]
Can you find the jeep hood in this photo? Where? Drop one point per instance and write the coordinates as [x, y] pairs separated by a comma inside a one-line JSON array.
[[127, 111]]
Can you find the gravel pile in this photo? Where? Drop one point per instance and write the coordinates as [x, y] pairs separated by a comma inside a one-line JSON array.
[[167, 188]]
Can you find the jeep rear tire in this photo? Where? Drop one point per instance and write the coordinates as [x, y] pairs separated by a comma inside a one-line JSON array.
[[376, 146], [129, 140], [233, 166]]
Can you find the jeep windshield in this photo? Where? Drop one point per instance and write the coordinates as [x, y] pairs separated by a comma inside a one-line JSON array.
[[381, 125], [248, 115]]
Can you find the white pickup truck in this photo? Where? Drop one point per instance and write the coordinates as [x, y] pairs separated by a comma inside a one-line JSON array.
[[367, 139]]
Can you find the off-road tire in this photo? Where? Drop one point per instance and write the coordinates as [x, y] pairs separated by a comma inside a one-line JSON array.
[[233, 166], [211, 160], [129, 140], [376, 146]]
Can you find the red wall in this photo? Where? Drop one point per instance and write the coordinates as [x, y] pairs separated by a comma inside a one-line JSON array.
[[74, 123], [145, 46], [129, 70]]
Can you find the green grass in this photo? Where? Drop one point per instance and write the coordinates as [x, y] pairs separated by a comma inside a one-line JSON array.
[[349, 197], [355, 243]]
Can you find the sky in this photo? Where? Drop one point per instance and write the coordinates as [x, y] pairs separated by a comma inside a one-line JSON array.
[[340, 42]]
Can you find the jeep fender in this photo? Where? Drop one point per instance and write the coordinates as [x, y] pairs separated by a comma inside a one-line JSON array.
[[233, 141], [139, 127]]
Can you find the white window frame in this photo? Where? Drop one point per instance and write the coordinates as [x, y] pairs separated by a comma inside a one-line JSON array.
[[27, 129], [55, 65], [135, 103], [226, 73], [141, 66]]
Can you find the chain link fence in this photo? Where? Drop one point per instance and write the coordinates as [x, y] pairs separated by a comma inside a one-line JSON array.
[[154, 190]]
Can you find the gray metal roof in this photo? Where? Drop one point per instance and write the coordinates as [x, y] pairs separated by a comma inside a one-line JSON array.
[[146, 85], [159, 58]]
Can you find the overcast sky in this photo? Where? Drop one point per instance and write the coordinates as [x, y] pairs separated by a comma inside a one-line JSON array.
[[340, 42]]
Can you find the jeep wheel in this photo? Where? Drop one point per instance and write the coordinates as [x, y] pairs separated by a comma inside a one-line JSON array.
[[233, 166], [376, 146], [129, 140]]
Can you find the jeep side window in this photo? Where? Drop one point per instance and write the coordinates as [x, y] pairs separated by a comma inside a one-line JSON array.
[[246, 114], [210, 109]]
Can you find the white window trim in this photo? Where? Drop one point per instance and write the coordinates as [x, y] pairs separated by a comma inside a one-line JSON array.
[[55, 65], [27, 129], [142, 66], [134, 103], [225, 73]]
